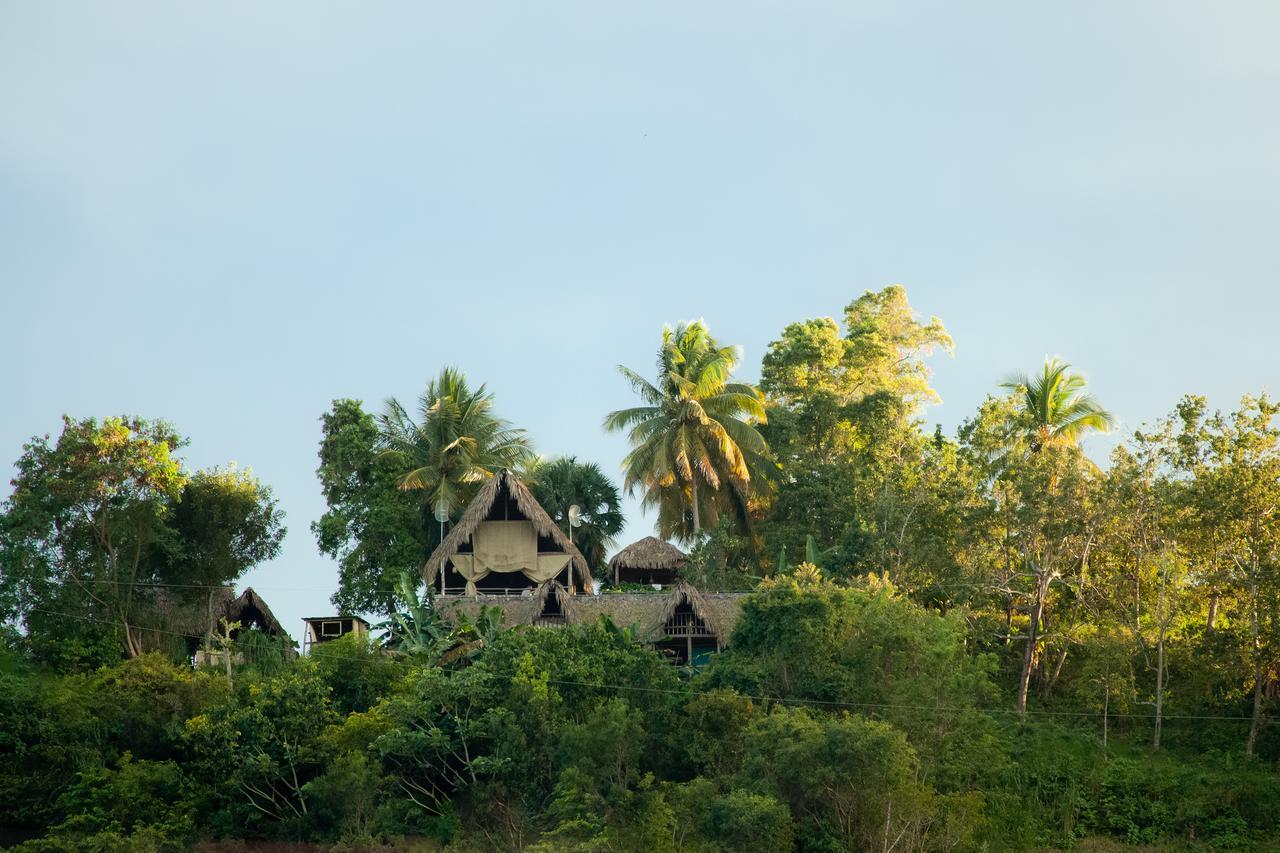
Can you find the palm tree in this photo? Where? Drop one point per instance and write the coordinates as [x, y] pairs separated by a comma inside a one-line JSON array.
[[565, 482], [456, 443], [1054, 408], [695, 449]]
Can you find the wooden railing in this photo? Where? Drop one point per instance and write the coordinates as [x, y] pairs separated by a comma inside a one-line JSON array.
[[687, 625], [497, 590]]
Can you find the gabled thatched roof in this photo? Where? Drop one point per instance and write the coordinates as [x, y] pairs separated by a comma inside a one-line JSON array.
[[566, 601], [649, 553], [684, 593], [250, 599], [478, 511], [187, 614]]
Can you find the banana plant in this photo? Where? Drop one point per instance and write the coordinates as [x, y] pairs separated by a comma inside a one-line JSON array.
[[419, 632]]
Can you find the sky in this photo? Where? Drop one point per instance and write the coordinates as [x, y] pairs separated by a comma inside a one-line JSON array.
[[229, 215]]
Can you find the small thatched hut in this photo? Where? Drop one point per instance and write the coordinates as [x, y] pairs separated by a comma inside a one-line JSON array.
[[251, 611], [179, 624], [648, 561], [505, 544]]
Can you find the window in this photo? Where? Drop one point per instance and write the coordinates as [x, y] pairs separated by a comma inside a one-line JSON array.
[[331, 629]]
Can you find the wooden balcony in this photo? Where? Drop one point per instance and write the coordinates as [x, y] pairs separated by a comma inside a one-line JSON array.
[[687, 625]]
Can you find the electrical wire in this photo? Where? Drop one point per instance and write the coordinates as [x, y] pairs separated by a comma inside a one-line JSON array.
[[765, 699]]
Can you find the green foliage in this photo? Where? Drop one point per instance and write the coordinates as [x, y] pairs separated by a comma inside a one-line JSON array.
[[101, 519], [849, 782], [745, 821], [722, 559], [371, 527], [881, 353], [695, 452], [565, 482], [135, 798], [1053, 407], [872, 649], [255, 751], [357, 672], [454, 445]]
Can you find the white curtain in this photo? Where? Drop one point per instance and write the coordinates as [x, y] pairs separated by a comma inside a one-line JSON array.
[[507, 546]]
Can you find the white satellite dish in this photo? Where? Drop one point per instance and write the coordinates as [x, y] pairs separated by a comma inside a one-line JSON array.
[[575, 516]]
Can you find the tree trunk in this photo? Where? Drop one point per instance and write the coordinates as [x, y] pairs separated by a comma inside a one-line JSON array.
[[1213, 612], [1024, 680], [1057, 670], [1106, 707], [132, 646], [697, 517], [208, 634], [1257, 659], [1155, 742]]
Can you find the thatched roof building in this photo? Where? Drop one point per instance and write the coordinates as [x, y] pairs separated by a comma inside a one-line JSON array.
[[681, 621], [505, 544], [648, 561]]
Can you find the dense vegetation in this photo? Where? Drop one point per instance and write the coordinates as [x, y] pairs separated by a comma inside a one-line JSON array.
[[986, 641]]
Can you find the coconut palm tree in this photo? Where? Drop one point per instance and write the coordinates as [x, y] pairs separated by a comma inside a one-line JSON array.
[[456, 443], [695, 451], [1054, 412], [1054, 408], [565, 482]]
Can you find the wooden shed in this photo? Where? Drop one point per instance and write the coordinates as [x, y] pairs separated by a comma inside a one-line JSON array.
[[322, 629]]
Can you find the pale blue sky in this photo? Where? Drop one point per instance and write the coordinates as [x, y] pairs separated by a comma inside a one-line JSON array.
[[228, 215]]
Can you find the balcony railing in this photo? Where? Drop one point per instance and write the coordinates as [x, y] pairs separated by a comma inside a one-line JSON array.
[[687, 625], [511, 591]]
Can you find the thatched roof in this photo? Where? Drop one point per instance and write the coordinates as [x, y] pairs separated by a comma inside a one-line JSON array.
[[647, 611], [649, 553], [478, 511], [567, 602], [187, 614], [248, 600]]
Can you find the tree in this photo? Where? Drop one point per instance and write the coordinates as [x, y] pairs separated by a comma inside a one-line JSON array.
[[1043, 522], [375, 530], [858, 473], [225, 523], [259, 747], [850, 782], [695, 451], [87, 514], [566, 482], [1235, 464], [1044, 485], [456, 443], [882, 352], [1054, 408], [105, 528], [802, 638]]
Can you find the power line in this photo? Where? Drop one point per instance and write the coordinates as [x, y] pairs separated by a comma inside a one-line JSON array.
[[764, 699]]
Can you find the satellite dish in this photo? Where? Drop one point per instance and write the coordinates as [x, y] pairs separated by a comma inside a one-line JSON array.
[[575, 516]]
